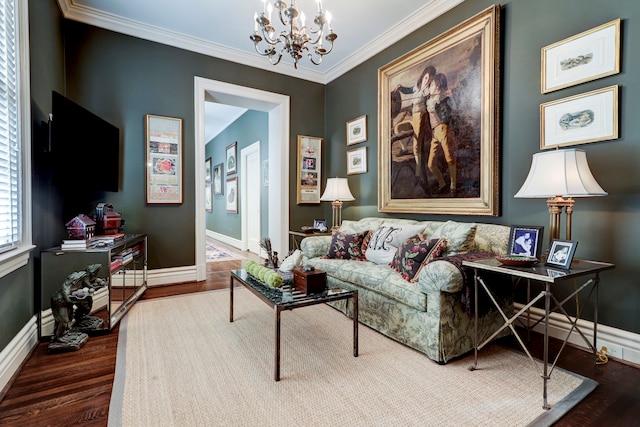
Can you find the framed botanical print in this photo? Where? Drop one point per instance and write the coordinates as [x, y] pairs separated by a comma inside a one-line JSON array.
[[217, 179], [443, 160], [231, 198], [232, 158], [207, 170], [357, 161], [587, 56], [357, 130]]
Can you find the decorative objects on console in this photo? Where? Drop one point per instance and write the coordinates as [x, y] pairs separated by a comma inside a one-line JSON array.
[[336, 192], [559, 176]]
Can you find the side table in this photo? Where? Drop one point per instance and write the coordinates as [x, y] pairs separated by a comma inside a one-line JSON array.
[[551, 278], [297, 236]]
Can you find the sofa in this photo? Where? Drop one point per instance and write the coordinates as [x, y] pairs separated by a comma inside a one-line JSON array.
[[429, 309]]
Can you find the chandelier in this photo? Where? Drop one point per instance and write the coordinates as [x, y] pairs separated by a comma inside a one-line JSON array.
[[296, 38]]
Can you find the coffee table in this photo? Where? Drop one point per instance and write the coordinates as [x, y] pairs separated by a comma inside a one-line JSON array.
[[290, 299]]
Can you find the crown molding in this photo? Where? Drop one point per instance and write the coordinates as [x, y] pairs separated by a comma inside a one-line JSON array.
[[98, 18]]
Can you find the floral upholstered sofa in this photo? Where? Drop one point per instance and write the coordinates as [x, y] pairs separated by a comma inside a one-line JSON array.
[[411, 285]]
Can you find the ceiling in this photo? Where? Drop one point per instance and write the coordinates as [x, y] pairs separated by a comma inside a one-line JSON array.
[[221, 29]]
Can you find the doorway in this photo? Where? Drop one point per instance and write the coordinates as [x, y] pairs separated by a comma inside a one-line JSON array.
[[278, 108]]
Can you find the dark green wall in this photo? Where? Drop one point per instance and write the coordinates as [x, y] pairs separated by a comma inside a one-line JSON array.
[[123, 78], [606, 228], [252, 126]]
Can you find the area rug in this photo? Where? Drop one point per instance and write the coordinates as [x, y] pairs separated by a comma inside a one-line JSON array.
[[216, 253], [180, 362]]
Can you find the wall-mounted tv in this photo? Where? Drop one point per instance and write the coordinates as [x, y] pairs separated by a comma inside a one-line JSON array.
[[85, 148]]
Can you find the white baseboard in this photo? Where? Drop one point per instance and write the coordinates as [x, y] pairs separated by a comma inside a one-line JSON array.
[[226, 239], [621, 345], [17, 351]]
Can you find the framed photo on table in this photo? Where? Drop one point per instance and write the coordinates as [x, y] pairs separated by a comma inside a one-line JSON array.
[[525, 240], [454, 178], [561, 253], [163, 141], [309, 169], [357, 130], [587, 56]]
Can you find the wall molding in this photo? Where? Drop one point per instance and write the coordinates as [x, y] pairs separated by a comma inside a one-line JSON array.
[[16, 353]]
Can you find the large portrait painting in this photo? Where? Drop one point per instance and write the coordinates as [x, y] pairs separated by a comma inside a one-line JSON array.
[[438, 123]]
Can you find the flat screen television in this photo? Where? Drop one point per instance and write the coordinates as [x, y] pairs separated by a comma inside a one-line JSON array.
[[85, 148]]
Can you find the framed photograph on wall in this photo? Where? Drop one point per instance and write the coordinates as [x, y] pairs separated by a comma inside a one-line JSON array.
[[309, 169], [526, 240], [580, 119], [232, 158], [459, 174], [208, 197], [561, 253], [207, 170], [587, 56], [217, 179], [357, 130], [163, 141], [231, 199], [357, 161]]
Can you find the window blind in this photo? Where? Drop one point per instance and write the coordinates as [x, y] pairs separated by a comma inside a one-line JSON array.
[[10, 150]]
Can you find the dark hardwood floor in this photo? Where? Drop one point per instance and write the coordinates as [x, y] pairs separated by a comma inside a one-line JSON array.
[[75, 388]]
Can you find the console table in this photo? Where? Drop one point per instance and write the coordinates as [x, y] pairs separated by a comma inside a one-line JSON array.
[[551, 278], [297, 236]]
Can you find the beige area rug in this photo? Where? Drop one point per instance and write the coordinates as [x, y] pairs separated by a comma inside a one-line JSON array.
[[182, 363]]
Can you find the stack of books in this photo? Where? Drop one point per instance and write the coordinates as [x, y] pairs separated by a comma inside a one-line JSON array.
[[75, 244], [109, 239]]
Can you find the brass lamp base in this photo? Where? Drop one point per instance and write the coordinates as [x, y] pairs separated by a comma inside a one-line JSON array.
[[556, 205], [337, 214]]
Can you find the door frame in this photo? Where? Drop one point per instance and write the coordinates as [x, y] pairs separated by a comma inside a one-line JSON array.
[[278, 108], [244, 200]]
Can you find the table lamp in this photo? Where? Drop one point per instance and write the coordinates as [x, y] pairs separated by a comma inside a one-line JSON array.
[[560, 175], [336, 192]]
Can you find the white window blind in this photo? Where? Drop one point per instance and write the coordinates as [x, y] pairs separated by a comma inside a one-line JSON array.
[[10, 148]]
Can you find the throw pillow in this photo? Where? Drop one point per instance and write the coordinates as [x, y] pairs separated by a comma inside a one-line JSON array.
[[387, 238], [459, 235], [346, 246], [414, 255]]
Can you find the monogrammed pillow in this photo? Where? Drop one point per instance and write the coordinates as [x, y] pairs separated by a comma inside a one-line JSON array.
[[386, 240]]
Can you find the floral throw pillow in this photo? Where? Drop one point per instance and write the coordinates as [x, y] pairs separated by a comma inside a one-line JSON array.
[[347, 246], [415, 254]]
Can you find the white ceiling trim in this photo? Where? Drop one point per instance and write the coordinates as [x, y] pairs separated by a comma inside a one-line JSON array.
[[98, 18]]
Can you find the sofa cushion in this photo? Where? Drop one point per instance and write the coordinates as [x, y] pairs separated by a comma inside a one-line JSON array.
[[460, 236], [414, 255], [347, 246], [387, 238]]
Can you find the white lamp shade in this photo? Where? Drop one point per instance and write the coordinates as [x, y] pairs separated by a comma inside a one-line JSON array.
[[563, 173], [337, 189]]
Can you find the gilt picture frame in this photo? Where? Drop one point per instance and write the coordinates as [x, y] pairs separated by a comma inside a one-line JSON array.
[[580, 119], [164, 164], [587, 56], [414, 178], [357, 161], [357, 130]]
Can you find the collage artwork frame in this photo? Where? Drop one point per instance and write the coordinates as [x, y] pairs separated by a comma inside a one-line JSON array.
[[468, 56], [164, 163], [309, 170]]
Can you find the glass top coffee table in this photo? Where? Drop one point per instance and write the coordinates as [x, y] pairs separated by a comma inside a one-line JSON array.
[[290, 299]]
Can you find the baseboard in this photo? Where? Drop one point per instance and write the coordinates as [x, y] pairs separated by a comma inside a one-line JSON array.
[[16, 352], [226, 239], [621, 345]]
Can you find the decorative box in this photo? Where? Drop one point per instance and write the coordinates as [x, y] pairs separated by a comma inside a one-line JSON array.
[[309, 282]]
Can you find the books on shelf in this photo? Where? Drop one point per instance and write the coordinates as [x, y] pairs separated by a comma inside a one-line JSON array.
[[94, 242]]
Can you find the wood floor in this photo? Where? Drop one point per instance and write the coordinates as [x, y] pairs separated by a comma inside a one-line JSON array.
[[75, 388]]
